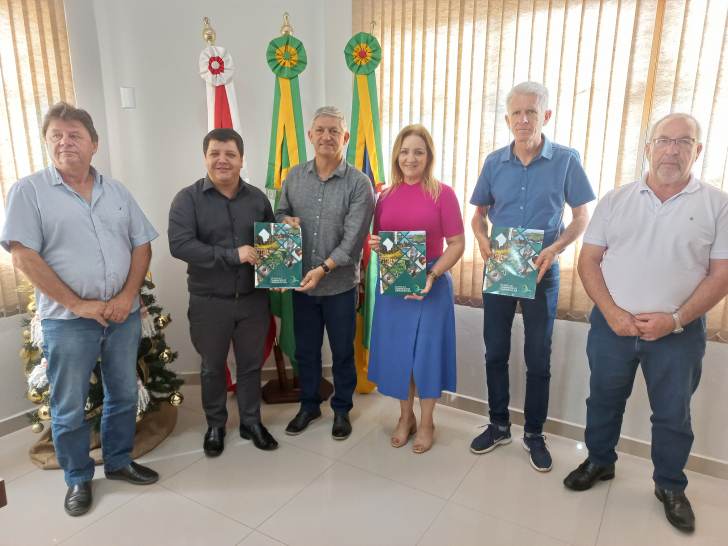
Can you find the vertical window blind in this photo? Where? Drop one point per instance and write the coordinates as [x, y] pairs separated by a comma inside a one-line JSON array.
[[612, 68], [35, 72]]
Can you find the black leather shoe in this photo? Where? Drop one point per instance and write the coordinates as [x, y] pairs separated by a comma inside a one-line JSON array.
[[260, 436], [214, 441], [78, 499], [677, 509], [342, 426], [587, 474], [301, 421], [134, 473]]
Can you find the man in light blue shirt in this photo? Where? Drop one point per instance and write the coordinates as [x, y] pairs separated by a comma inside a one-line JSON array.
[[526, 185], [84, 243]]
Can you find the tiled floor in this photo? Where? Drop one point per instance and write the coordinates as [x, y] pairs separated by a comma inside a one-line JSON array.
[[315, 490]]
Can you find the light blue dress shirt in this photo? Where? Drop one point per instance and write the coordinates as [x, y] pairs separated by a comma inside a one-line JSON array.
[[87, 246], [532, 196]]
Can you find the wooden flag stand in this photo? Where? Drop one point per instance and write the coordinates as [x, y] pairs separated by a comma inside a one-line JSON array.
[[284, 391]]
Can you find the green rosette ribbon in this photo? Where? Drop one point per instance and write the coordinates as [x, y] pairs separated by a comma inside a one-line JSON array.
[[286, 56], [363, 53]]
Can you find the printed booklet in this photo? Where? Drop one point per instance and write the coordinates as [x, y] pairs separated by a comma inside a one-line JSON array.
[[512, 272], [402, 262], [279, 256]]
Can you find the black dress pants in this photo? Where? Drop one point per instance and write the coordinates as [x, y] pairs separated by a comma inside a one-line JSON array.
[[214, 322]]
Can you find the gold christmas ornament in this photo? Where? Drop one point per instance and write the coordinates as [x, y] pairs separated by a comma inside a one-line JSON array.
[[176, 398], [44, 412], [32, 308], [139, 416], [37, 428], [31, 297], [150, 284], [26, 335], [35, 397], [161, 321], [166, 356]]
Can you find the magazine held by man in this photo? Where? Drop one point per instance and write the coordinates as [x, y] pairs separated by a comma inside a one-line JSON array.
[[279, 256], [402, 262], [513, 271]]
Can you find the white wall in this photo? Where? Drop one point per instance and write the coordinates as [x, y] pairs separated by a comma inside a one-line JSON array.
[[156, 150], [570, 382]]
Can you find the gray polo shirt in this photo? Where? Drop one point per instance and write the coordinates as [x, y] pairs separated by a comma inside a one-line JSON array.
[[335, 214], [87, 246]]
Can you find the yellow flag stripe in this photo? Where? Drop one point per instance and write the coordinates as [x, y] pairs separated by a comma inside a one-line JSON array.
[[287, 123], [365, 132]]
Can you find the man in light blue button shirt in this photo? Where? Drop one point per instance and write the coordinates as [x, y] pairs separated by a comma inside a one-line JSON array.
[[84, 243], [527, 184]]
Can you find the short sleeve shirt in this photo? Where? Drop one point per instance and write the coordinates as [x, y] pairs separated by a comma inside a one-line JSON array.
[[409, 208], [87, 245], [658, 253], [532, 196]]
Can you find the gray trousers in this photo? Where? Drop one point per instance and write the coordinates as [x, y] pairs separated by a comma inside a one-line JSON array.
[[214, 322]]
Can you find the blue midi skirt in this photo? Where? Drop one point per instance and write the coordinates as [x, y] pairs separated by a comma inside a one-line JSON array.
[[414, 338]]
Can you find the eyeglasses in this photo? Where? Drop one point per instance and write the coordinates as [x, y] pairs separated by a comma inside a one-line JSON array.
[[684, 144]]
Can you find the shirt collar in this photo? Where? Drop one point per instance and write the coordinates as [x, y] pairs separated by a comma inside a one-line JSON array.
[[547, 151], [57, 179], [207, 184], [340, 171], [693, 184]]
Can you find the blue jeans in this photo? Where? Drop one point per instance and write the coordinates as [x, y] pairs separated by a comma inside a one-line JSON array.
[[538, 324], [338, 314], [671, 366], [72, 348]]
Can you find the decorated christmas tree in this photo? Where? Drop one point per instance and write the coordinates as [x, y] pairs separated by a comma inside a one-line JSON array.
[[157, 383]]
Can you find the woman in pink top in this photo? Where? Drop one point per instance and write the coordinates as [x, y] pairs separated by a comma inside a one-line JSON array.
[[413, 337]]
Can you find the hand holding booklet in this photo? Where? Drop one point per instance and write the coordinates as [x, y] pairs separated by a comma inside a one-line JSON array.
[[513, 271], [402, 262], [279, 256]]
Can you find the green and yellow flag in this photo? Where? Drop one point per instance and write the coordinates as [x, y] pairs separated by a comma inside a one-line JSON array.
[[286, 57], [363, 54]]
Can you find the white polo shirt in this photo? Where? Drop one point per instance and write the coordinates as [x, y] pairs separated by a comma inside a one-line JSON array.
[[658, 253]]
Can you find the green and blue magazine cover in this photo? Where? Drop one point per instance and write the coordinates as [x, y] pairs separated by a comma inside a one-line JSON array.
[[402, 262], [279, 256], [513, 271]]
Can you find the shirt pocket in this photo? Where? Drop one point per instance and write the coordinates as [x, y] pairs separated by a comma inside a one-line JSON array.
[[118, 220]]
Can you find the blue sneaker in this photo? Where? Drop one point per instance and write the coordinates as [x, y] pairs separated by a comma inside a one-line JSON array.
[[540, 456], [490, 439]]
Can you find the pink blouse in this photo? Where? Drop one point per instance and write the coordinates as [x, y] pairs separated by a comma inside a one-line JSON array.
[[409, 208]]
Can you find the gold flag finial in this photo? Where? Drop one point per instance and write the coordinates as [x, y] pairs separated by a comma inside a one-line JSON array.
[[372, 26], [286, 28], [208, 34]]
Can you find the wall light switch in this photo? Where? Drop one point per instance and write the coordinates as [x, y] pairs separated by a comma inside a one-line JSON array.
[[128, 97]]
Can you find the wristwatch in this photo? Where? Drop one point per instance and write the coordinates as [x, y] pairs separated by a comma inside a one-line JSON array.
[[678, 326], [434, 275], [325, 267]]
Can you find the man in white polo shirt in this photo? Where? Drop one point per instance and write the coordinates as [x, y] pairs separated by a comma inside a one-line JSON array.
[[654, 260]]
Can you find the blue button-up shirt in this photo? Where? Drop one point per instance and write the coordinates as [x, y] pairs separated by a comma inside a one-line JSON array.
[[532, 196], [87, 246]]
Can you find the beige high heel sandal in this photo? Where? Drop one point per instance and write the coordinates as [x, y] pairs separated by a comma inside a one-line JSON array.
[[401, 435], [423, 440]]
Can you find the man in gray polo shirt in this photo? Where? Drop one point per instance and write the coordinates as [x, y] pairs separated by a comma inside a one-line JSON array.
[[654, 260], [333, 203], [84, 243]]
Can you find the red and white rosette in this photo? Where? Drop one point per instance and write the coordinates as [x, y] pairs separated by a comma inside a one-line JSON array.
[[217, 68]]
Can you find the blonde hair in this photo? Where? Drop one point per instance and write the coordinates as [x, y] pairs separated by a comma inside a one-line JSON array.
[[396, 177]]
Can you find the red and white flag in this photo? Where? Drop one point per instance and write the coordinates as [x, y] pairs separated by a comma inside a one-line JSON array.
[[216, 68]]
